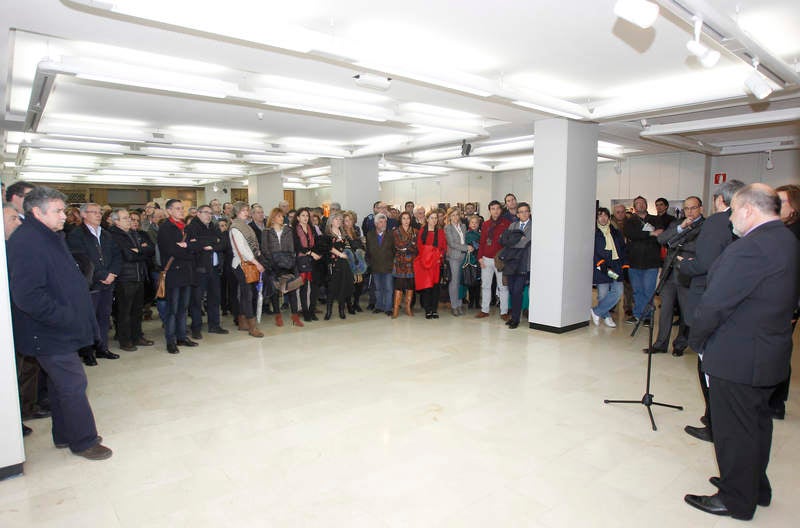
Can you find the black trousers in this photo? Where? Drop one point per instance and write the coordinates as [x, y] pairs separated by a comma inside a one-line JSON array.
[[102, 300], [28, 384], [246, 299], [742, 442], [701, 376], [130, 307], [429, 298], [516, 287], [73, 420], [208, 286]]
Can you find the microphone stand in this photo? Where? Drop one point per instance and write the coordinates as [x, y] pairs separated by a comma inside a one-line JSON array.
[[647, 400]]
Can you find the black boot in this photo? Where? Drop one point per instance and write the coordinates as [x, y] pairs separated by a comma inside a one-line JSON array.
[[87, 354], [328, 310], [341, 311], [351, 308]]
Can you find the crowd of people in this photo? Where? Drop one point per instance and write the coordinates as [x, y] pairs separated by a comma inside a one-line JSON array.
[[731, 279]]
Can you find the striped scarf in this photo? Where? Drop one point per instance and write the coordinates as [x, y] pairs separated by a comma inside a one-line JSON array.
[[248, 234]]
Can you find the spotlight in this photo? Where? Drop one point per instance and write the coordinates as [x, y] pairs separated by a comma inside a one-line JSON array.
[[770, 164], [639, 12], [466, 148], [706, 56], [376, 82], [215, 188], [756, 84]]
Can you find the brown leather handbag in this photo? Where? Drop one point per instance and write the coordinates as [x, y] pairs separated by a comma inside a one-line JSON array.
[[251, 273]]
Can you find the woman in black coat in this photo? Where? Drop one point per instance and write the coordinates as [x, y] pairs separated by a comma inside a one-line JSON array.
[[609, 262], [278, 245], [340, 276]]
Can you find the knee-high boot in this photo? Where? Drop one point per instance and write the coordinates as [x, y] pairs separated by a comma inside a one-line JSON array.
[[398, 296], [341, 311], [409, 296], [328, 309]]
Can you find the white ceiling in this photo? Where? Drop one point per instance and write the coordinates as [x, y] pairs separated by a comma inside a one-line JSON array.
[[271, 84]]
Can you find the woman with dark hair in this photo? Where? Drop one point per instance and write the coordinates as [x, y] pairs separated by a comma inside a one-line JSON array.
[[790, 207], [609, 261], [340, 276], [278, 243], [305, 239], [356, 257], [432, 245], [405, 249], [291, 215], [246, 248]]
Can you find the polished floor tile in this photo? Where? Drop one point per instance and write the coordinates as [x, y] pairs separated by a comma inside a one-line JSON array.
[[389, 423]]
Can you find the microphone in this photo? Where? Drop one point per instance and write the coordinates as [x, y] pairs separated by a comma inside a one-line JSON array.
[[679, 238]]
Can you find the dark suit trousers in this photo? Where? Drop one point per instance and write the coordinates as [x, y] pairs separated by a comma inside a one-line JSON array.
[[742, 441], [28, 383], [130, 305], [73, 420], [669, 297], [102, 299], [704, 387], [516, 287], [208, 285]]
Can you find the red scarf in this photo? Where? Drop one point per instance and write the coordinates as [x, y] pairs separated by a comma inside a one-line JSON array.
[[180, 225]]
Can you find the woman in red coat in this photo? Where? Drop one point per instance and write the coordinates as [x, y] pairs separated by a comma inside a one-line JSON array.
[[431, 247]]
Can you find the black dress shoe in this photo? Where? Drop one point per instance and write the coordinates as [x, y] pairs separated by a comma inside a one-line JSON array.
[[707, 503], [435, 315], [26, 430], [778, 414], [217, 330], [106, 354], [370, 307], [428, 315], [376, 311], [186, 342], [677, 352], [197, 334], [37, 415], [172, 348], [89, 361], [513, 324], [127, 347], [701, 433], [142, 341], [762, 501], [656, 350]]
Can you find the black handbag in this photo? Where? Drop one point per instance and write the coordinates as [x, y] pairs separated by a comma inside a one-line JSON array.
[[283, 260], [444, 273], [304, 263], [471, 275]]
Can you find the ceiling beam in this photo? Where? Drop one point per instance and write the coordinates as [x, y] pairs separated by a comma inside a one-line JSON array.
[[717, 123]]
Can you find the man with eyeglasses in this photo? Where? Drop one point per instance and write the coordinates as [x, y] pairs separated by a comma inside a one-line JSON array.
[[209, 245], [98, 246], [681, 236]]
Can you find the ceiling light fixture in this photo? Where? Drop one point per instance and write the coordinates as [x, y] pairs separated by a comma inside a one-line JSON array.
[[707, 57], [770, 163], [638, 12], [369, 80], [756, 84]]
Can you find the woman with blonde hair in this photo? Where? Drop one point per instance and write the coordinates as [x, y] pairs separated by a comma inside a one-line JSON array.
[[340, 276], [246, 248], [457, 250], [356, 256], [278, 243]]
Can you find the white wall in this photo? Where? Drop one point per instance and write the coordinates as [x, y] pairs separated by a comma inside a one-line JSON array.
[[311, 197], [751, 168], [518, 182], [466, 186]]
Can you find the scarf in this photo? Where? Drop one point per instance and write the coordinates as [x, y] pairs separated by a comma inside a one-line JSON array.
[[610, 246], [180, 225], [248, 234], [306, 239]]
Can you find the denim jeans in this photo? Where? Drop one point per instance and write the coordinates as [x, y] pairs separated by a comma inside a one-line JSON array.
[[384, 287], [643, 282], [177, 304], [608, 295]]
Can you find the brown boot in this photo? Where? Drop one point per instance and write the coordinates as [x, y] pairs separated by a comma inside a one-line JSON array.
[[296, 320], [243, 325], [278, 320], [409, 296], [254, 331], [398, 296]]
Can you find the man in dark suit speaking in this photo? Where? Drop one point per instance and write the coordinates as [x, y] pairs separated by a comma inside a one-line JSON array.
[[743, 329]]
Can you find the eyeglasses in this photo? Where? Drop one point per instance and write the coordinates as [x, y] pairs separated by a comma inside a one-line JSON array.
[[204, 212], [693, 208]]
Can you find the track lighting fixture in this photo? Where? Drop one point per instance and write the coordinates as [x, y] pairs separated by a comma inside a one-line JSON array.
[[770, 163], [376, 82], [639, 12], [756, 84], [704, 54]]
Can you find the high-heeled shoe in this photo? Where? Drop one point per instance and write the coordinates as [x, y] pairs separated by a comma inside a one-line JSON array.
[[296, 320], [341, 312], [328, 310]]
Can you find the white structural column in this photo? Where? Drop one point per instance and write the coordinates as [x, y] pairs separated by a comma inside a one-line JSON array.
[[564, 189], [12, 452], [266, 190], [354, 184]]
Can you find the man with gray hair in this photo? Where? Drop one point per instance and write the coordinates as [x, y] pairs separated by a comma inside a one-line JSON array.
[[380, 257], [743, 330], [715, 236], [53, 317]]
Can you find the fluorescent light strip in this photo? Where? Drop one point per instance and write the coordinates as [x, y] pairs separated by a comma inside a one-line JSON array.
[[151, 85], [548, 110]]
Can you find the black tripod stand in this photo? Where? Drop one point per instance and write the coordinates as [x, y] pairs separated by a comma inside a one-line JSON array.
[[647, 399]]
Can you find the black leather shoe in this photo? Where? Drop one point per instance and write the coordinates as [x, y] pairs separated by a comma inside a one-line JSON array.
[[707, 503], [428, 315], [217, 330], [197, 334], [377, 310], [762, 501], [89, 361], [341, 312], [106, 354], [328, 311], [36, 415], [142, 341], [186, 342], [778, 414], [704, 420], [677, 352], [435, 315], [370, 307], [701, 433], [172, 348], [656, 350], [513, 324], [357, 308], [127, 347], [26, 430]]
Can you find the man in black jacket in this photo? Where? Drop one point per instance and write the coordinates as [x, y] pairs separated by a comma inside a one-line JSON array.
[[97, 244], [743, 329], [53, 317], [129, 288], [644, 256], [208, 270], [715, 236], [177, 257]]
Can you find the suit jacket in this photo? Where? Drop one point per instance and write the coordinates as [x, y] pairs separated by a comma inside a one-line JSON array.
[[203, 236], [713, 239], [380, 256], [51, 307], [181, 271], [455, 249], [134, 263], [105, 255], [688, 247], [743, 325]]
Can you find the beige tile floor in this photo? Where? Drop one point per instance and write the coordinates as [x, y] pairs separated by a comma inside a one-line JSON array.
[[380, 423]]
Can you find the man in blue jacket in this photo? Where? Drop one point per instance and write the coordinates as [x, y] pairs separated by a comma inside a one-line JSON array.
[[53, 317]]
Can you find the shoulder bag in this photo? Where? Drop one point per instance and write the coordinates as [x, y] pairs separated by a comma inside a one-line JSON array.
[[251, 273]]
